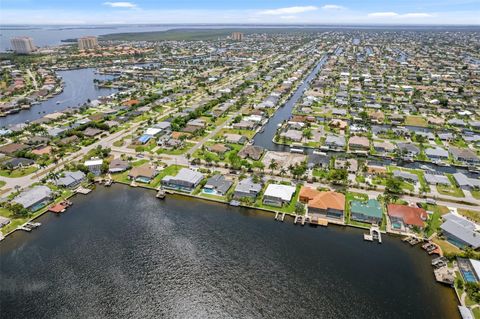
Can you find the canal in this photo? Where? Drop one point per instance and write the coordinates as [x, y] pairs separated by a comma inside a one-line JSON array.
[[78, 89], [120, 252]]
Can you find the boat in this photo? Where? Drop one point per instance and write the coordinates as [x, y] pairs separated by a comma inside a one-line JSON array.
[[235, 203], [58, 102], [160, 194], [296, 150]]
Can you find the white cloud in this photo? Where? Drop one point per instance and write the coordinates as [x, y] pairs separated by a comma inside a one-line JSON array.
[[383, 14], [412, 15], [128, 5], [332, 7], [289, 10]]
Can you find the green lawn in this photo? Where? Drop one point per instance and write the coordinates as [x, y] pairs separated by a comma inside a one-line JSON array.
[[178, 151], [473, 215], [452, 190], [139, 162], [19, 172], [289, 209], [416, 121], [2, 183], [435, 220], [247, 133], [475, 194]]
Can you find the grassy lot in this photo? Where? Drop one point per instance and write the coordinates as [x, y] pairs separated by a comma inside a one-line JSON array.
[[419, 173], [416, 121], [247, 133], [378, 180], [446, 246], [19, 172], [214, 157], [178, 151], [435, 220], [2, 183], [139, 162], [289, 209], [473, 215], [170, 170], [475, 194], [452, 190]]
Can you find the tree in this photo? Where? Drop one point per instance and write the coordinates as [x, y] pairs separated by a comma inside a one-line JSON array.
[[273, 165], [393, 188]]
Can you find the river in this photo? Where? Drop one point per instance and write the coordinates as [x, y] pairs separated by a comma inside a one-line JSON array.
[[78, 89], [120, 252]]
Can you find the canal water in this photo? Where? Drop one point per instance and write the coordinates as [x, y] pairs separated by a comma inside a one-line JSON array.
[[78, 89], [265, 137], [120, 252]]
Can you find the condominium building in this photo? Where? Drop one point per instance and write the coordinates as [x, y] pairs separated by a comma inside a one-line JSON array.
[[87, 43], [22, 45], [237, 36]]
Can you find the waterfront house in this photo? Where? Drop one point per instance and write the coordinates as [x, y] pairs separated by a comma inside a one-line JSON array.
[[383, 147], [367, 212], [464, 155], [306, 194], [359, 143], [292, 135], [34, 198], [436, 153], [235, 138], [251, 151], [465, 182], [278, 194], [92, 132], [4, 221], [70, 179], [247, 188], [403, 217], [460, 231], [408, 150], [94, 165], [327, 205], [117, 165], [217, 185], [434, 179], [320, 160], [406, 176], [335, 142], [144, 173], [185, 180]]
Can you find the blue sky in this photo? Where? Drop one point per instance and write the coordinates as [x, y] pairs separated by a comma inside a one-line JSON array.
[[240, 11]]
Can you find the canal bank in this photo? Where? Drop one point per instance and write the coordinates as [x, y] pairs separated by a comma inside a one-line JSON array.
[[121, 247], [78, 89]]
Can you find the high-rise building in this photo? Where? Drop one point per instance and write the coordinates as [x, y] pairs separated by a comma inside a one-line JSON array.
[[237, 36], [87, 43], [22, 45]]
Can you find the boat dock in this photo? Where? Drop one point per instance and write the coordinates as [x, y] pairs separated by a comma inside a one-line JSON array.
[[374, 234], [82, 190], [60, 207], [29, 226], [444, 275], [279, 216], [412, 240]]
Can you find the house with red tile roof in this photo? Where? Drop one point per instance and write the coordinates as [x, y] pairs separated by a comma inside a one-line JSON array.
[[403, 216], [324, 204]]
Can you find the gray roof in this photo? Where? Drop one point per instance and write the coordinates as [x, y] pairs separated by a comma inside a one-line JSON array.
[[247, 186], [437, 151], [461, 228], [219, 183], [33, 195], [70, 178], [335, 139], [405, 175], [408, 147], [437, 179], [186, 175], [464, 180]]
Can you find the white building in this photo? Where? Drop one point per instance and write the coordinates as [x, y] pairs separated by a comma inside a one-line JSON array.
[[87, 43], [277, 194], [22, 45], [94, 166]]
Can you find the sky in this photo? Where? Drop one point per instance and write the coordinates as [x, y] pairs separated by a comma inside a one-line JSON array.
[[398, 12]]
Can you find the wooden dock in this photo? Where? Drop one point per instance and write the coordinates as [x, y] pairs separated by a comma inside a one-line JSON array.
[[279, 216], [82, 190]]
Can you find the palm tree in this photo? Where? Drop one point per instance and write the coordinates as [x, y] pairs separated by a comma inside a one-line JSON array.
[[273, 165]]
